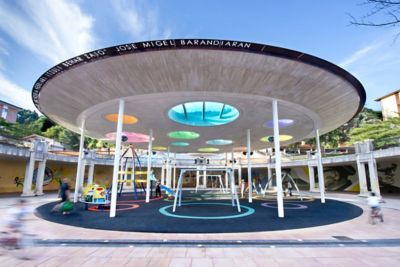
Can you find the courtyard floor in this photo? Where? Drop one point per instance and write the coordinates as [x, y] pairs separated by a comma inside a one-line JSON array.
[[350, 243]]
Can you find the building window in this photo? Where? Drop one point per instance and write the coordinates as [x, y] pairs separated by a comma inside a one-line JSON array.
[[4, 112]]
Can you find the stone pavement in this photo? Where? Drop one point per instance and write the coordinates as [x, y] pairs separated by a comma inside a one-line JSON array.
[[237, 255]]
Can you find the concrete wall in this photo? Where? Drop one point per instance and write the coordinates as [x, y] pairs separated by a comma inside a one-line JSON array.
[[15, 167], [390, 107]]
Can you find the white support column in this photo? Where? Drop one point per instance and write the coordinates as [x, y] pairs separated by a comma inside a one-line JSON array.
[[269, 177], [362, 178], [373, 177], [163, 173], [150, 152], [321, 179], [27, 190], [278, 170], [174, 174], [240, 172], [205, 177], [249, 178], [168, 172], [91, 173], [117, 156], [233, 169], [40, 178], [80, 159], [197, 178], [311, 176], [82, 174], [226, 172]]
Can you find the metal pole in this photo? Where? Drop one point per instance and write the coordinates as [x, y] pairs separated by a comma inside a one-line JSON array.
[[163, 173], [311, 177], [150, 151], [174, 175], [80, 159], [321, 180], [117, 155], [168, 171], [278, 170], [233, 169], [249, 178]]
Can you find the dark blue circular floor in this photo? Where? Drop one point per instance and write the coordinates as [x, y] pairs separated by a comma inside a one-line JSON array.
[[200, 214]]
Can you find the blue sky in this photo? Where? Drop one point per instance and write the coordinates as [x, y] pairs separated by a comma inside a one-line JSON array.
[[38, 34]]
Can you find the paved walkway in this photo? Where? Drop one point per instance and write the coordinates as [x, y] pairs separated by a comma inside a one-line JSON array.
[[267, 254]]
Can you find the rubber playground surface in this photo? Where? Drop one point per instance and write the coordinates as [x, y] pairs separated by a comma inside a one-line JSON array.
[[204, 212]]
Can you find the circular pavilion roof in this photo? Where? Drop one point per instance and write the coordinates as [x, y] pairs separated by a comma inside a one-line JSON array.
[[215, 89]]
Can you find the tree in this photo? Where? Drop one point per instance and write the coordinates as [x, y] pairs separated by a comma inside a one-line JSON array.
[[341, 135], [66, 137], [382, 13], [384, 133], [26, 116]]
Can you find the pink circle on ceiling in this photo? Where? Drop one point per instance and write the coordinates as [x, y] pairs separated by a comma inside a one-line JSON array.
[[132, 137]]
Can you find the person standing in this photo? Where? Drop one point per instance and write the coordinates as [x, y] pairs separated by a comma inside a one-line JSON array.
[[65, 190], [376, 211], [290, 188], [65, 193], [158, 190]]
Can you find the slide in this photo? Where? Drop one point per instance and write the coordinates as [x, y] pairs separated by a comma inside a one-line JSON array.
[[163, 187], [168, 190]]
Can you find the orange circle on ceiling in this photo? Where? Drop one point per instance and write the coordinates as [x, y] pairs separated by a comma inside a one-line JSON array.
[[128, 119]]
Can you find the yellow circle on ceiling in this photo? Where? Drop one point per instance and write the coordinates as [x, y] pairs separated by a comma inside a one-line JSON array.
[[159, 148], [208, 149], [128, 119]]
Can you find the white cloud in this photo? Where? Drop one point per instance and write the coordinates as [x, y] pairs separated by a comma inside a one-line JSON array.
[[356, 56], [53, 29], [3, 51], [139, 21], [13, 94], [377, 66]]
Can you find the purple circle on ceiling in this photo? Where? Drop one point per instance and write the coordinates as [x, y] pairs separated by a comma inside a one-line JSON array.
[[282, 123]]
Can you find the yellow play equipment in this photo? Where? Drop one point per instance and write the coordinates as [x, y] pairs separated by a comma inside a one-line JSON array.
[[128, 176], [94, 193]]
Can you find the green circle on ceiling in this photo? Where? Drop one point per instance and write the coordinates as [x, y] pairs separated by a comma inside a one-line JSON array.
[[183, 135]]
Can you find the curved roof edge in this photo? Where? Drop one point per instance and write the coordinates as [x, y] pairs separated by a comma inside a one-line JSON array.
[[213, 44]]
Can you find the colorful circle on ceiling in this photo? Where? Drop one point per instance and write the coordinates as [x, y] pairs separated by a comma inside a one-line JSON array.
[[283, 123], [219, 142], [128, 119], [183, 135], [131, 137], [159, 148], [282, 138], [203, 113], [208, 149], [180, 144]]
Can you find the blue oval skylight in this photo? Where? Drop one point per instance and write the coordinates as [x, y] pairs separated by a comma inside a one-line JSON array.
[[219, 142], [203, 113]]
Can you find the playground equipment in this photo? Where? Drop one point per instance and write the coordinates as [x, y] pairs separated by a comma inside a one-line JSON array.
[[234, 196], [96, 194], [128, 176], [218, 178], [284, 175]]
